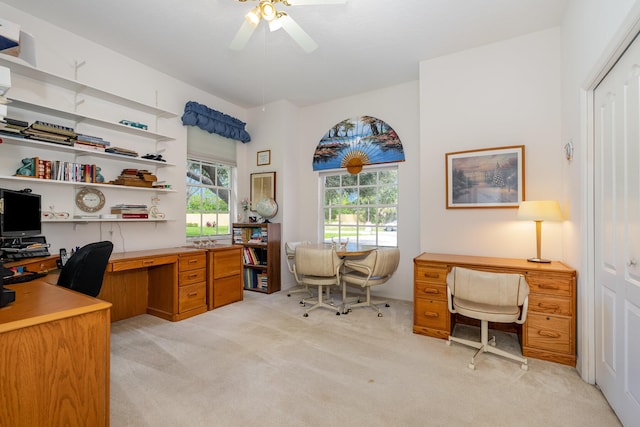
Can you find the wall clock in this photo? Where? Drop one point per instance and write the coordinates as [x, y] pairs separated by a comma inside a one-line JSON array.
[[90, 200]]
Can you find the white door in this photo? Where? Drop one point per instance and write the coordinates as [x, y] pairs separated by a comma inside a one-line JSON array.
[[617, 235]]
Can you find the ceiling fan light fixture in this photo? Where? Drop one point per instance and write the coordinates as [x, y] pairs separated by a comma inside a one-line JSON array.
[[253, 17], [268, 10]]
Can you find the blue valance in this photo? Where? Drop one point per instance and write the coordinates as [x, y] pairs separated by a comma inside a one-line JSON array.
[[214, 122]]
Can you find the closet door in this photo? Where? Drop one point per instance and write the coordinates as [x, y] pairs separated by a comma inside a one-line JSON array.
[[617, 235]]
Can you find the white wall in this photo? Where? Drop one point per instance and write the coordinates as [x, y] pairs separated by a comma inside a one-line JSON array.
[[502, 94], [592, 30], [57, 52]]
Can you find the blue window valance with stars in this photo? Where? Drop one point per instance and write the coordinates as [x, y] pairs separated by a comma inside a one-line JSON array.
[[213, 121]]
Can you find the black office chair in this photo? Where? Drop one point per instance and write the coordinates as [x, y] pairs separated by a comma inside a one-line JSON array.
[[85, 269]]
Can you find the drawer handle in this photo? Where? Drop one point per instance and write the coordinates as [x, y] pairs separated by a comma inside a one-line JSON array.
[[193, 276], [550, 287], [549, 306], [192, 294], [193, 261], [431, 314], [430, 291], [431, 275], [548, 334], [150, 262]]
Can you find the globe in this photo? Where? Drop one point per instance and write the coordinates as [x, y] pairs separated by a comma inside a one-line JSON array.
[[267, 208]]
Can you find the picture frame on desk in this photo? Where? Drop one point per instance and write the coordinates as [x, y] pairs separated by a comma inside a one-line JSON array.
[[263, 186], [485, 178]]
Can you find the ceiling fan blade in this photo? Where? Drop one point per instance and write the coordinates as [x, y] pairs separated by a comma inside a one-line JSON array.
[[314, 2], [242, 36], [298, 34]]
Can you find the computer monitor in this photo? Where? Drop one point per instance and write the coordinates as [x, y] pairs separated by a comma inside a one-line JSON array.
[[20, 214]]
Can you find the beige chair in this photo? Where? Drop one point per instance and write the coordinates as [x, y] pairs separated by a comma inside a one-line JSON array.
[[320, 267], [373, 269], [488, 297], [290, 252]]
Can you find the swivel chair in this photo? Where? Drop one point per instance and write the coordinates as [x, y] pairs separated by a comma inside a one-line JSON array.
[[84, 271], [290, 251], [488, 297], [376, 268], [317, 266]]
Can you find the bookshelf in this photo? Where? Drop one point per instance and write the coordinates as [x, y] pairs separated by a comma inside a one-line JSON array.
[[260, 255]]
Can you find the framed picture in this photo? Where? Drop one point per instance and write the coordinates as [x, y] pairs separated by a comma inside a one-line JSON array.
[[263, 186], [264, 158], [486, 178]]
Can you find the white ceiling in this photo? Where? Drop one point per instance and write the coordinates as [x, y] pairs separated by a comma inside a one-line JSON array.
[[364, 44]]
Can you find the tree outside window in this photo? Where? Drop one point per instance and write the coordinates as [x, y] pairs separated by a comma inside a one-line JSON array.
[[209, 198]]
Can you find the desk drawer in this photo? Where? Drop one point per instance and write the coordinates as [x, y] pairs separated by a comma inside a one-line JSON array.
[[192, 262], [192, 296], [430, 290], [431, 313], [549, 333], [549, 283], [549, 304], [142, 263], [192, 276], [431, 273]]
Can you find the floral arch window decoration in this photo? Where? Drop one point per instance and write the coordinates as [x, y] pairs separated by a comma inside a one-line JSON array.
[[356, 142]]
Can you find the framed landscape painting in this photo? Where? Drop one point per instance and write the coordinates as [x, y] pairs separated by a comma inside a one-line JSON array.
[[485, 178]]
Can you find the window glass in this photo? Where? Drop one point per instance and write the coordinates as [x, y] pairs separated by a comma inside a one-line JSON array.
[[362, 207], [209, 198]]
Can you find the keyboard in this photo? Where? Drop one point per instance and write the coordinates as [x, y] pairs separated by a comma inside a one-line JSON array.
[[23, 277], [27, 254]]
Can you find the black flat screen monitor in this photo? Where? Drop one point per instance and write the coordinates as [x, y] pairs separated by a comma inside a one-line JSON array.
[[19, 214]]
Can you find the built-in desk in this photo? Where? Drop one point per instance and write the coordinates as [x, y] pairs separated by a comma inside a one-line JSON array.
[[549, 331], [54, 358]]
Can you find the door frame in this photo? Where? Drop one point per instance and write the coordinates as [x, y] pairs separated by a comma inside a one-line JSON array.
[[619, 43]]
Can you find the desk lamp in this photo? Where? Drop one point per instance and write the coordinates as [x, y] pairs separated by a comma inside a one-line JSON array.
[[538, 211]]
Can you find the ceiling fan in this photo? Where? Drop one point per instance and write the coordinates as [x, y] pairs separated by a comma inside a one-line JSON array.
[[266, 10]]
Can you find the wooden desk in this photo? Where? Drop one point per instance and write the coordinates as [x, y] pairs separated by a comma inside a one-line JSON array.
[[54, 358], [224, 275], [549, 332]]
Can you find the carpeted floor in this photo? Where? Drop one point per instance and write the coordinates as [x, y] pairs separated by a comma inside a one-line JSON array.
[[260, 362]]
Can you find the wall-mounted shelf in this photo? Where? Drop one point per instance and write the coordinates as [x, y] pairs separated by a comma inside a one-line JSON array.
[[78, 118], [84, 184], [88, 220], [50, 146], [20, 67]]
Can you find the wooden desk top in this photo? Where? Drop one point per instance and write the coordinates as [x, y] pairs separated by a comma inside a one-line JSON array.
[[518, 263], [39, 302], [351, 250], [131, 255]]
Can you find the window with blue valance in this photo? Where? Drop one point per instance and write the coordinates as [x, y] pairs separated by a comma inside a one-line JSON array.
[[213, 121]]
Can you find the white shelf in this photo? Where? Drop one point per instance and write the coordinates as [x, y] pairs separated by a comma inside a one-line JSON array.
[[87, 220], [76, 117], [50, 146], [84, 184], [20, 67]]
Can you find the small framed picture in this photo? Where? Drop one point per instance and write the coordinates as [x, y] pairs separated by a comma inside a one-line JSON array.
[[486, 178], [263, 186], [264, 158]]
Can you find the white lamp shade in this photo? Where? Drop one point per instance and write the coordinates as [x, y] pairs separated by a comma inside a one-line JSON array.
[[540, 210]]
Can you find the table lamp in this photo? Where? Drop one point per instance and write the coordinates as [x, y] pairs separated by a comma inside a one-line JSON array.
[[538, 211]]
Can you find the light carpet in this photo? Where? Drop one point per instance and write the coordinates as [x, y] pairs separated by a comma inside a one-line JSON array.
[[260, 362]]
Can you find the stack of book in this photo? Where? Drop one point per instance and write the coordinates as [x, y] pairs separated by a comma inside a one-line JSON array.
[[50, 132], [121, 151], [135, 178], [91, 142], [13, 126], [130, 211]]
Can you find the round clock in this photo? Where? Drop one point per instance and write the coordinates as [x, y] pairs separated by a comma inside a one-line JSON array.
[[90, 200]]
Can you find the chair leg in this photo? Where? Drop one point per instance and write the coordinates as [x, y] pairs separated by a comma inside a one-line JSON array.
[[320, 302]]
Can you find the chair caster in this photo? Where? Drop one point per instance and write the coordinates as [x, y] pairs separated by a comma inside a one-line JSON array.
[[387, 305], [472, 366], [302, 302], [524, 367], [337, 313], [306, 315], [379, 314], [288, 295]]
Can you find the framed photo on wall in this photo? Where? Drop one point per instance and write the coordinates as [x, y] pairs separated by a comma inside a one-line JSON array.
[[485, 178], [263, 186], [263, 158]]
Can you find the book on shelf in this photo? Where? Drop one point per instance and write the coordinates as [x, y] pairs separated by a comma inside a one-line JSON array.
[[134, 215], [53, 128]]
